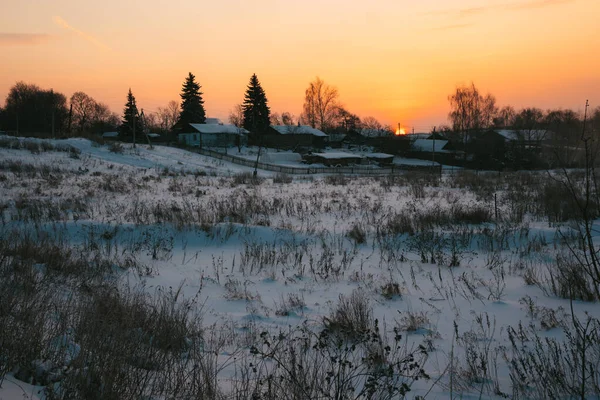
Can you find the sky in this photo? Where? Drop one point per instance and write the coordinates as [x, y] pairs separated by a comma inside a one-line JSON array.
[[396, 60]]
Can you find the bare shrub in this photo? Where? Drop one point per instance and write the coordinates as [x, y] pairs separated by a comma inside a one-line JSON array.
[[352, 316], [246, 178], [291, 303], [547, 368], [236, 290], [336, 180], [303, 365], [116, 147], [283, 178], [413, 321], [391, 290], [357, 233]]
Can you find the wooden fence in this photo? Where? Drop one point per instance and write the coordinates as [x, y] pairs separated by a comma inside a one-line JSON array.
[[308, 170]]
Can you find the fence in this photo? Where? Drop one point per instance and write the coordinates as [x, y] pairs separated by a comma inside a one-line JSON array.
[[308, 170]]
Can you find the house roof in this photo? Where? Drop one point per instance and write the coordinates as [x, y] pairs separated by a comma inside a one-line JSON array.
[[430, 145], [213, 121], [514, 135], [336, 155], [110, 134], [298, 130], [218, 129]]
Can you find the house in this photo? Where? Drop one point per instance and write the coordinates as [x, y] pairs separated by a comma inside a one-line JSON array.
[[380, 159], [293, 136], [213, 135], [430, 146], [334, 159]]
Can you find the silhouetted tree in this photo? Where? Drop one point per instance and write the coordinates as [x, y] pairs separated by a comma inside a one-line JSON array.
[[192, 105], [130, 114], [320, 105], [236, 116], [256, 109], [29, 109], [168, 116], [83, 108]]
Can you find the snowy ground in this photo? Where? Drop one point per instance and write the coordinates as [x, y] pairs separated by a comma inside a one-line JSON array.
[[245, 248]]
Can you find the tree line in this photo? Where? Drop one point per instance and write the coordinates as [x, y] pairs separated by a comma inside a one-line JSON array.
[[29, 109]]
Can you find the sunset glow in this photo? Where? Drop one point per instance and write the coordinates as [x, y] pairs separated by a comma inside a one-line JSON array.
[[400, 132], [522, 51]]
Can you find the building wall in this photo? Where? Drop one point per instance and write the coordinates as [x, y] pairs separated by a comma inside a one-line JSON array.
[[212, 139]]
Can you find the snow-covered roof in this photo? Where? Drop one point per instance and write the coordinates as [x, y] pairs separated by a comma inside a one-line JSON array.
[[218, 128], [429, 145], [110, 134], [379, 155], [337, 154], [153, 135], [298, 130], [512, 135]]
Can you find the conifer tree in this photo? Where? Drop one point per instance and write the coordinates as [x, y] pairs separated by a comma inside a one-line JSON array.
[[256, 110], [130, 113], [192, 105]]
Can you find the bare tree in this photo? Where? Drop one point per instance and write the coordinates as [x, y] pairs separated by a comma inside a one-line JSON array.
[[470, 111], [370, 126], [505, 117], [320, 104], [236, 116], [167, 116], [83, 109], [275, 118], [288, 118]]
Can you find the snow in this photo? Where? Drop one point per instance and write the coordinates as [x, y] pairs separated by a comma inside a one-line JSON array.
[[219, 129], [110, 134], [515, 135], [378, 155], [306, 217], [429, 145], [336, 154], [298, 130]]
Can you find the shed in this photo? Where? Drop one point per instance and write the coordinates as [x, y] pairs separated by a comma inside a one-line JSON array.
[[380, 158], [213, 135], [294, 136]]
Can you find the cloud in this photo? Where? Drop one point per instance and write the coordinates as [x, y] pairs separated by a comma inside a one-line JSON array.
[[536, 4], [62, 23], [514, 6], [23, 39]]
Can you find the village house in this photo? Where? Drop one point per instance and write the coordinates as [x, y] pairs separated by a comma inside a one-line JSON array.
[[213, 134], [293, 137]]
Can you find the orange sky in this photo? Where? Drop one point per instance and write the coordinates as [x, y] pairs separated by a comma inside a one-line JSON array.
[[397, 60]]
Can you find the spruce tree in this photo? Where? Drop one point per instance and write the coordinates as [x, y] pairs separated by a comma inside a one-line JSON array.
[[256, 110], [192, 105], [129, 113]]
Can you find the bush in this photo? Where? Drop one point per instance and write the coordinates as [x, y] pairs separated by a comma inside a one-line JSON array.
[[352, 316], [116, 147], [336, 180], [304, 364], [358, 234], [245, 178], [282, 178]]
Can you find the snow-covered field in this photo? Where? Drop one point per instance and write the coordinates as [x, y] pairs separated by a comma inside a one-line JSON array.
[[318, 287]]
